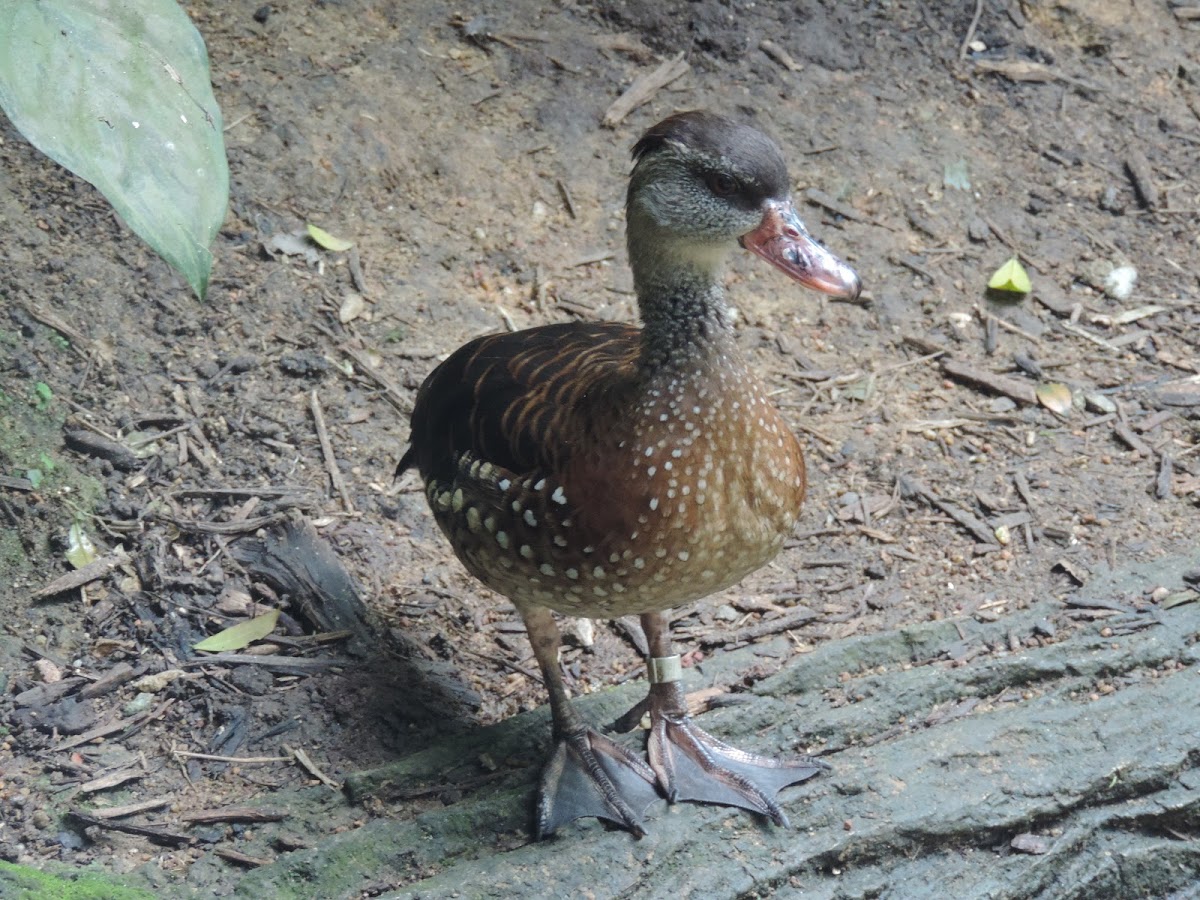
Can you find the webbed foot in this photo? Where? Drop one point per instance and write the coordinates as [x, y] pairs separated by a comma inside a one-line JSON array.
[[591, 775]]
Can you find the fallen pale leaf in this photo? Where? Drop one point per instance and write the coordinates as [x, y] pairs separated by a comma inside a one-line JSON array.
[[240, 636], [327, 240], [1055, 397], [80, 549], [352, 307], [1011, 277]]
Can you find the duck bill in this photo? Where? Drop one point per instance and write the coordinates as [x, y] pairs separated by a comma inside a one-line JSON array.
[[783, 241]]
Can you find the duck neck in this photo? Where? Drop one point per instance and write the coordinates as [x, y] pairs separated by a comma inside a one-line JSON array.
[[686, 319]]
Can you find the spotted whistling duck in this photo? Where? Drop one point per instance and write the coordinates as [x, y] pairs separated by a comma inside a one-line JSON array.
[[603, 470]]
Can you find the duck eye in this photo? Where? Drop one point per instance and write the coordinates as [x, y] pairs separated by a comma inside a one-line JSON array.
[[722, 184]]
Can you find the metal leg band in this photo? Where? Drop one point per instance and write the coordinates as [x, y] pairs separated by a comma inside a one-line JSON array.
[[664, 669]]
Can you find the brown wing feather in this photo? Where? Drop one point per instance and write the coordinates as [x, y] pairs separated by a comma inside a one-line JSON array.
[[521, 400]]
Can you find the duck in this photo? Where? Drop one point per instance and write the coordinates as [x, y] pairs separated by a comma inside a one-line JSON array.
[[602, 469]]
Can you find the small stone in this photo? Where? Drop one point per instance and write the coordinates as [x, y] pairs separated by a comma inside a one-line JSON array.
[[726, 613], [138, 704], [1030, 843], [1045, 628], [154, 683]]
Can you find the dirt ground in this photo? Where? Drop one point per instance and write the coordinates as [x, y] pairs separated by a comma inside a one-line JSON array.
[[464, 155]]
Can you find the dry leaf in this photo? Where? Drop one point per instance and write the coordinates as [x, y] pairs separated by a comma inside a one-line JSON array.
[[240, 636], [1055, 397]]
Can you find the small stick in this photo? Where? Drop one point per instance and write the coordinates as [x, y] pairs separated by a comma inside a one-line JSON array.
[[1017, 390], [335, 474], [130, 809], [1164, 485], [565, 192], [304, 760], [240, 858], [779, 55], [643, 88], [978, 529], [233, 814], [970, 36], [1142, 177], [154, 835], [240, 760], [93, 571]]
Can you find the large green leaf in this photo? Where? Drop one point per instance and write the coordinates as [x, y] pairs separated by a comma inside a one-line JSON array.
[[118, 92]]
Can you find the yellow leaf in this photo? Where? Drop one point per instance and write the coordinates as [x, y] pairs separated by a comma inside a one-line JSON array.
[[80, 549], [327, 240], [1011, 277], [241, 636], [1055, 397]]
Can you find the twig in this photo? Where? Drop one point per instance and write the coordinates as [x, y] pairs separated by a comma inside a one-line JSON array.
[[154, 835], [335, 474], [1009, 387], [970, 36], [240, 760], [313, 769], [93, 571], [234, 814], [111, 727], [979, 529], [1142, 177], [130, 809], [779, 55], [242, 859], [643, 88]]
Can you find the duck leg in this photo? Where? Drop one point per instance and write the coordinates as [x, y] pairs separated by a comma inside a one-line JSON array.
[[690, 763], [588, 774]]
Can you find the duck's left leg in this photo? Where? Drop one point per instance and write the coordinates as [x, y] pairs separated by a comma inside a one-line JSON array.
[[690, 763]]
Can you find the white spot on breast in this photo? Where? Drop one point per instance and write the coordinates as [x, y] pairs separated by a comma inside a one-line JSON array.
[[683, 555], [572, 573], [541, 483], [502, 539], [654, 503], [560, 541], [546, 569], [527, 551], [530, 518], [598, 572], [504, 484], [558, 496]]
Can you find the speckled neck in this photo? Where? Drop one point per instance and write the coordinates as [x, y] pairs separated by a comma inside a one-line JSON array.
[[682, 302], [686, 323]]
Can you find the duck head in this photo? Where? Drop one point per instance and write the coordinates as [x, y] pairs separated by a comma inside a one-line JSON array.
[[702, 184]]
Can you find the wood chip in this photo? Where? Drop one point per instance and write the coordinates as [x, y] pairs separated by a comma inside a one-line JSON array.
[[304, 760], [911, 487], [779, 55], [1142, 177], [644, 87], [111, 780], [1164, 484], [158, 836], [331, 464], [232, 814], [93, 571], [130, 809], [1000, 384], [242, 859]]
